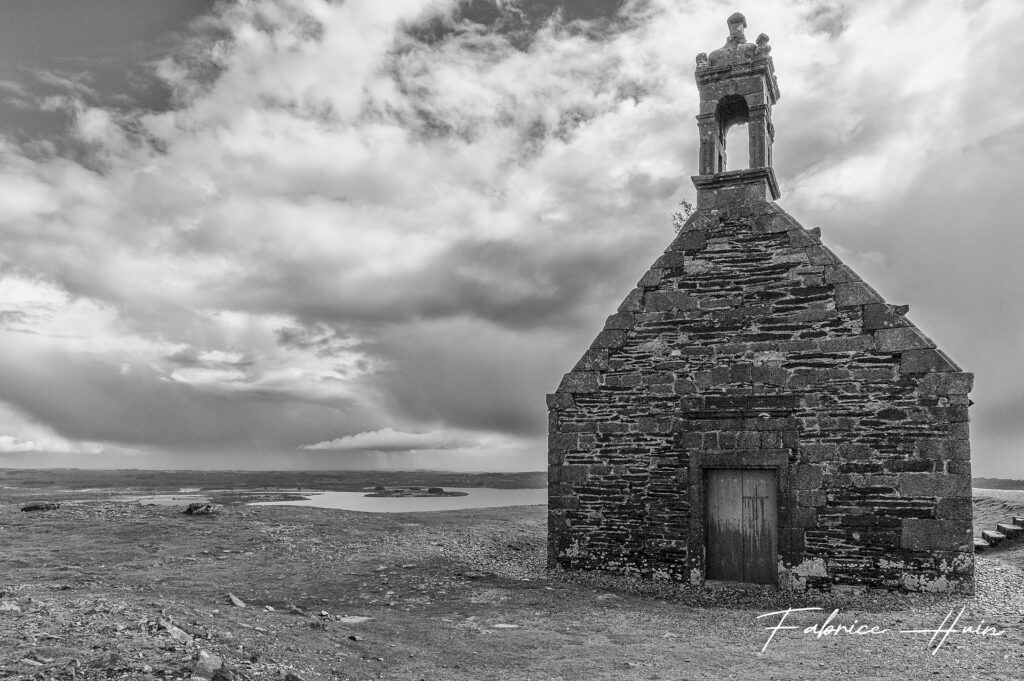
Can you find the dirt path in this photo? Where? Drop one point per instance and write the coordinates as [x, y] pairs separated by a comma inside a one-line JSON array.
[[101, 590]]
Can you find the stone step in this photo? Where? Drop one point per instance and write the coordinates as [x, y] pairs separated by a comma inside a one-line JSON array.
[[993, 538], [1012, 531], [1017, 520], [980, 544]]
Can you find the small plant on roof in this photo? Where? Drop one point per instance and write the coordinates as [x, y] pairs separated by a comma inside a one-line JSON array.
[[679, 218]]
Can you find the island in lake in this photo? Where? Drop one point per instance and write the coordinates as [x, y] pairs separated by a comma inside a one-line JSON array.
[[381, 491]]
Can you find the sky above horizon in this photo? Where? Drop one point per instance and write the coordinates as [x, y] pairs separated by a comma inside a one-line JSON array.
[[309, 234]]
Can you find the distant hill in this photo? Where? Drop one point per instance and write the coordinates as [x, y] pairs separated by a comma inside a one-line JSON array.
[[997, 483]]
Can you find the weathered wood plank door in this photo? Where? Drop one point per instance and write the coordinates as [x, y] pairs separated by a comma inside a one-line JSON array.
[[742, 525]]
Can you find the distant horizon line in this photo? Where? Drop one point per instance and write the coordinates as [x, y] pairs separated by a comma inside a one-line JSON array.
[[334, 470], [272, 470]]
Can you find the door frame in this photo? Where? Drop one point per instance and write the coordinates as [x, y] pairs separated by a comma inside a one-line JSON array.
[[765, 459]]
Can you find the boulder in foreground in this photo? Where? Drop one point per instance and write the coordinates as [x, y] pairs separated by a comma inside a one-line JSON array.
[[40, 506]]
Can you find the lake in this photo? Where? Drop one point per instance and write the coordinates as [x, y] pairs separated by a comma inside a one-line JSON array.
[[476, 497], [165, 499], [1015, 496]]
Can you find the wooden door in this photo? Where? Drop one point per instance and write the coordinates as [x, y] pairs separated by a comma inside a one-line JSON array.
[[742, 525]]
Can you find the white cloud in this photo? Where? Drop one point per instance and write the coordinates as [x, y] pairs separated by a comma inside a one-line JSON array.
[[389, 439], [369, 236], [22, 435], [10, 445], [14, 88]]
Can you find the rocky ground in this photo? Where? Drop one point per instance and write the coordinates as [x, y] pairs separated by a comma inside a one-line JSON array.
[[98, 589]]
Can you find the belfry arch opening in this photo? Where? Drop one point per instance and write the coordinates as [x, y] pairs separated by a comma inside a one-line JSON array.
[[733, 117], [738, 144], [731, 111]]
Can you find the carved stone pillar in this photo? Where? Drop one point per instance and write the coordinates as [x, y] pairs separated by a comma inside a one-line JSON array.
[[760, 142], [711, 148]]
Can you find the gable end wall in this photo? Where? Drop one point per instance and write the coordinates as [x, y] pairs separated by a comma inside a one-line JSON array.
[[749, 344]]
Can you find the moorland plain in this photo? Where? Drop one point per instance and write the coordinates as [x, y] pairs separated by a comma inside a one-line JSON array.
[[102, 589]]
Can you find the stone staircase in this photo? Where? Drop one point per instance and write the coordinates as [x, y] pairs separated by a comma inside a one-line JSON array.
[[1003, 532]]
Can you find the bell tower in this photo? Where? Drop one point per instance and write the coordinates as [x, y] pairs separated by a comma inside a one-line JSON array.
[[737, 86]]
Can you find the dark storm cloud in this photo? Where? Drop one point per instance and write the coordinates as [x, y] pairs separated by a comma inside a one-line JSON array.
[[54, 29], [63, 57], [472, 375], [519, 21], [996, 428], [89, 399], [508, 284], [317, 338], [829, 16]]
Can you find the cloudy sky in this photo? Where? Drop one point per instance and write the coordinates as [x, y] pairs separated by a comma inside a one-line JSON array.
[[299, 233]]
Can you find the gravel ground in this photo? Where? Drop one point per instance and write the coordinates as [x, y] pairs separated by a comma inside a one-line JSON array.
[[999, 592], [100, 590]]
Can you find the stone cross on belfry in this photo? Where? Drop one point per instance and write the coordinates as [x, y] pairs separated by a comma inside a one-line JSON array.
[[737, 86]]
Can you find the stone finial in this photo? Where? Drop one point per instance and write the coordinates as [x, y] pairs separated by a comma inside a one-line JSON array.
[[736, 48], [763, 48], [702, 60], [736, 23]]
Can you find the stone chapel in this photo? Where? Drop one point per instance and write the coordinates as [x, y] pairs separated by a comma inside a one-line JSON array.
[[754, 411]]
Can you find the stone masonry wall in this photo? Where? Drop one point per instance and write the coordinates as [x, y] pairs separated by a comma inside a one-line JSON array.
[[749, 343]]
